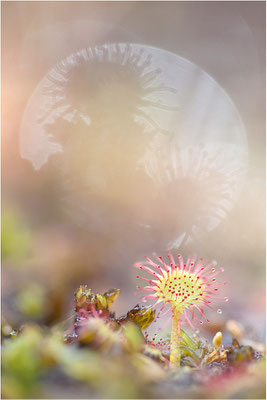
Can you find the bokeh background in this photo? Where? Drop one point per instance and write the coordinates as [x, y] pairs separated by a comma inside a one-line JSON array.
[[48, 248]]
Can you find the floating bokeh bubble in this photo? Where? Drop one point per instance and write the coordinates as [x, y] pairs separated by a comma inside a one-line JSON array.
[[197, 185], [141, 140]]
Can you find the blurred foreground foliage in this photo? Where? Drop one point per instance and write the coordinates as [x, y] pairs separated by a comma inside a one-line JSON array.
[[101, 356], [16, 237]]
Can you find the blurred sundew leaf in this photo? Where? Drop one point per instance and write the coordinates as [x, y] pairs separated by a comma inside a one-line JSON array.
[[140, 315], [84, 297], [89, 304], [238, 354], [16, 236], [134, 337], [100, 334], [111, 296]]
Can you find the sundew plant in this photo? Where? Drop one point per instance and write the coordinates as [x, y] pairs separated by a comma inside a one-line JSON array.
[[184, 288], [126, 134]]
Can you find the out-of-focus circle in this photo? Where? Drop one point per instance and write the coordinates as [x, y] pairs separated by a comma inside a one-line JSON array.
[[141, 139]]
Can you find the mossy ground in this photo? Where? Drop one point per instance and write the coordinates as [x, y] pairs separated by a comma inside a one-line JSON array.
[[102, 356]]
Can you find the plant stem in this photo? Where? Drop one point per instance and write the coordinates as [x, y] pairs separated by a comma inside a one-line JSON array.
[[175, 355]]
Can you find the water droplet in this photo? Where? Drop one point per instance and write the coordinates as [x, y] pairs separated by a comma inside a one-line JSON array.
[[213, 270], [226, 299], [197, 331], [201, 322], [219, 311], [222, 269]]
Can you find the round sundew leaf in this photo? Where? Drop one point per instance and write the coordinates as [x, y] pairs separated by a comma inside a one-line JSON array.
[[184, 289]]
